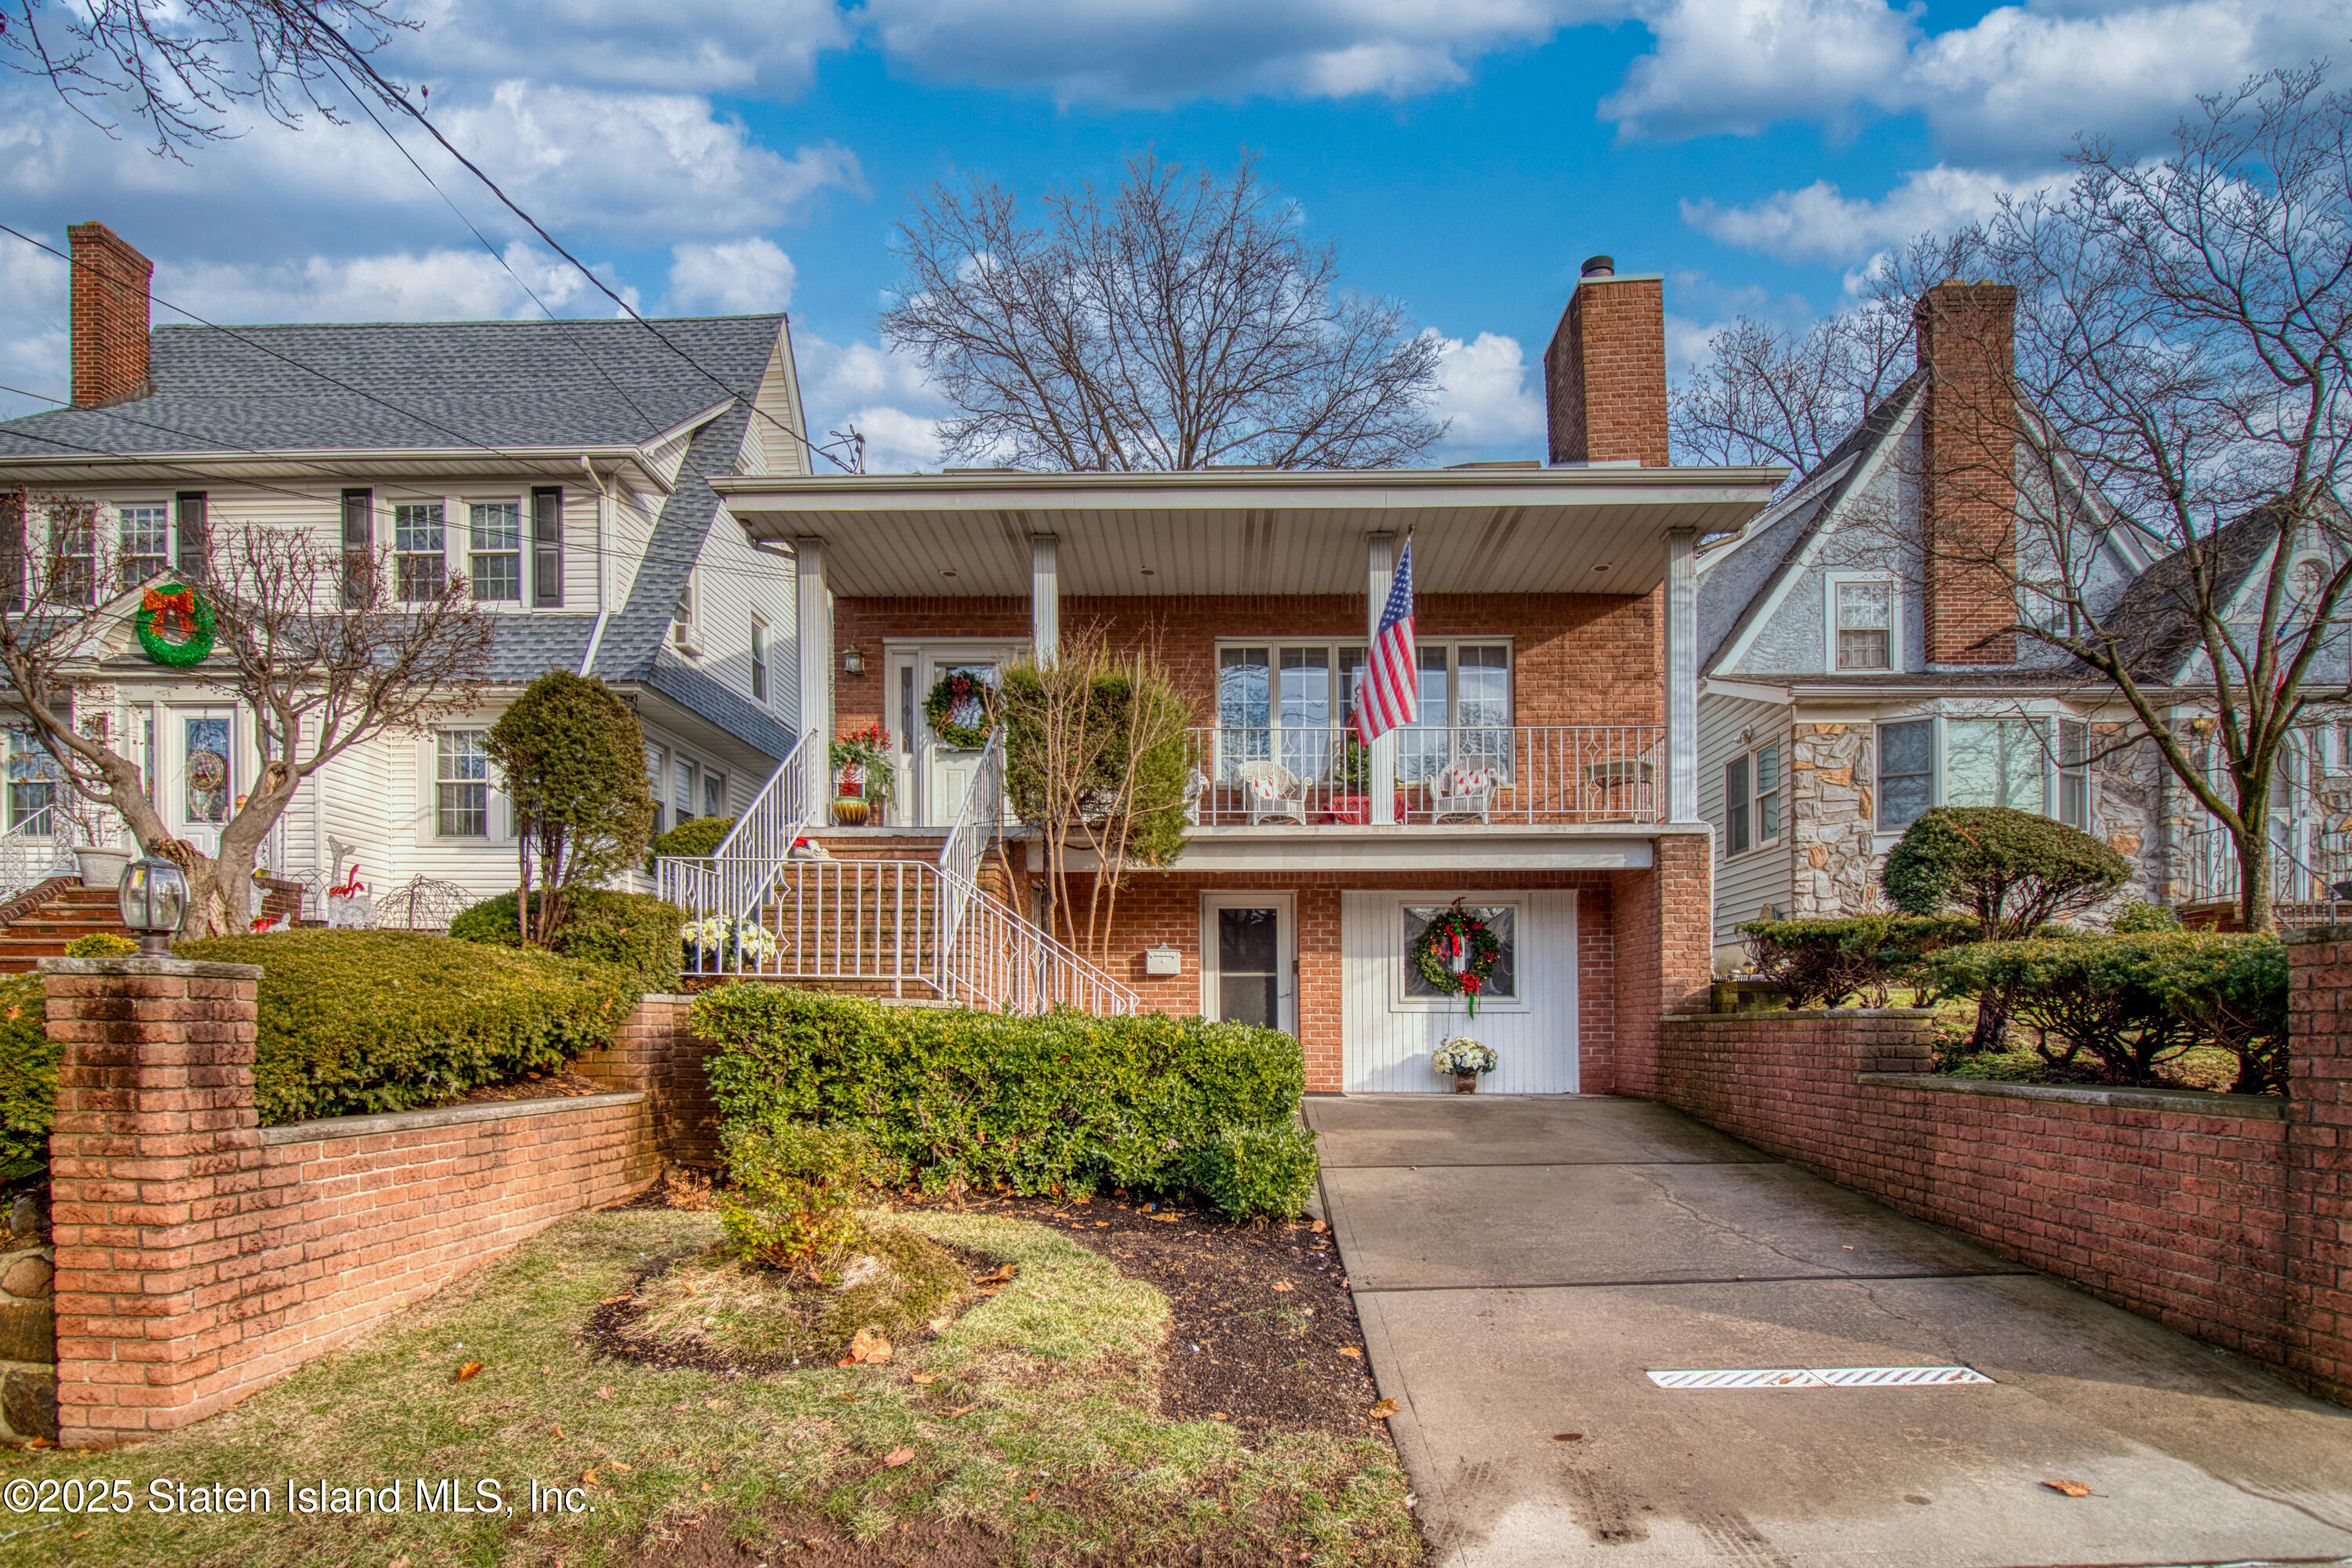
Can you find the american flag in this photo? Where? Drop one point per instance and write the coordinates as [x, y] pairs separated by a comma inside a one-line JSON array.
[[1388, 693]]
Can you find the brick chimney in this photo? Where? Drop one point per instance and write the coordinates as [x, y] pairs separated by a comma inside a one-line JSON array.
[[110, 317], [1965, 334], [1605, 372]]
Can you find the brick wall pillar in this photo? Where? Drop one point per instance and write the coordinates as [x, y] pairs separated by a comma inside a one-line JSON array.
[[2319, 1161], [1664, 924], [155, 1167]]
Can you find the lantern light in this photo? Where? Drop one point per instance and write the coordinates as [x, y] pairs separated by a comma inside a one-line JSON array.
[[853, 660], [152, 897]]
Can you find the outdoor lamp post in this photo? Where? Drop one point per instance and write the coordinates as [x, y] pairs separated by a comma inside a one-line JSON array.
[[154, 896]]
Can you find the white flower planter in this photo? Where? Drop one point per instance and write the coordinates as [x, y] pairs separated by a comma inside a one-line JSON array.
[[102, 867]]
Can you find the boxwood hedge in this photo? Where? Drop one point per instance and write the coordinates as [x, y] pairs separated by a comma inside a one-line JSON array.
[[1066, 1102], [634, 931]]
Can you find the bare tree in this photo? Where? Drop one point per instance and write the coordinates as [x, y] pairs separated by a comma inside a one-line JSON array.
[[180, 66], [1185, 324], [2178, 384], [303, 643]]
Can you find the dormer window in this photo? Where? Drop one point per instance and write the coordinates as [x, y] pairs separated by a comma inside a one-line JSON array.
[[1863, 623]]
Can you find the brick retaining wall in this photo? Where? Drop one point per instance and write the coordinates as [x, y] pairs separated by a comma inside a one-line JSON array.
[[2220, 1216]]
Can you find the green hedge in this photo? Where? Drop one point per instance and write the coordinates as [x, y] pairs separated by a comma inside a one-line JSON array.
[[2136, 1001], [1821, 962], [636, 932], [695, 838], [28, 1078], [358, 1022], [1066, 1102]]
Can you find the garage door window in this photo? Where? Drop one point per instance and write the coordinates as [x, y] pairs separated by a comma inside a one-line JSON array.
[[1502, 986]]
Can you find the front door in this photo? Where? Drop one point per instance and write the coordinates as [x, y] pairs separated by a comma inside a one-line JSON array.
[[202, 784], [1249, 960], [934, 775]]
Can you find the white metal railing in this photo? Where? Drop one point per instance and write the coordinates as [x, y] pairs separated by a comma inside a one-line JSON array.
[[2309, 864], [732, 878], [1520, 774], [976, 825], [32, 852]]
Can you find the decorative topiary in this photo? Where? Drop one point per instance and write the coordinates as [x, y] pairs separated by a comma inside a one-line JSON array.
[[2012, 871], [100, 944]]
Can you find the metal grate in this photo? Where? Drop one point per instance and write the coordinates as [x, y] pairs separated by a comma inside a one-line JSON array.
[[1820, 1377]]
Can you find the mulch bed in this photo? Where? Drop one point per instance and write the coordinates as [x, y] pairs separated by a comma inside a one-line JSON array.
[[565, 1084]]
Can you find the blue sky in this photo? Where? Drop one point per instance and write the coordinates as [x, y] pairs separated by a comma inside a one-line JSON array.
[[1465, 155]]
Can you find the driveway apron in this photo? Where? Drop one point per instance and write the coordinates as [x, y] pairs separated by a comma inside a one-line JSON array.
[[1523, 1265]]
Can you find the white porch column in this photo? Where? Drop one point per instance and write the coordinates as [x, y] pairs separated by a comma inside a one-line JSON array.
[[1379, 772], [1682, 676], [812, 634], [1045, 600]]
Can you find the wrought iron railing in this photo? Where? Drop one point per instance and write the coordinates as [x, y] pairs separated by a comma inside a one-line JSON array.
[[730, 878], [2309, 864], [976, 827], [32, 851], [1514, 775]]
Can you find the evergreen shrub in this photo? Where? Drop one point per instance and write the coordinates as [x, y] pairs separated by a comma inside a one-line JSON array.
[[1066, 1103], [695, 838], [28, 1078], [635, 932], [1822, 963], [1263, 1172]]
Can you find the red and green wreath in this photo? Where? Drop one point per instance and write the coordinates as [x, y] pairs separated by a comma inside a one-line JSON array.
[[174, 626], [1454, 935], [961, 710]]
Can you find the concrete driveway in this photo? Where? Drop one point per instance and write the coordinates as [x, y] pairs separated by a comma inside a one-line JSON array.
[[1523, 1263]]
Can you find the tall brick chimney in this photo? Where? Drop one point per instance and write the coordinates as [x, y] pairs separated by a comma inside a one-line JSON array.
[[110, 316], [1605, 372], [1966, 335]]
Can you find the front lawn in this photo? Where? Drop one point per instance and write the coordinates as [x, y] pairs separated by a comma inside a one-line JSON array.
[[1028, 1432]]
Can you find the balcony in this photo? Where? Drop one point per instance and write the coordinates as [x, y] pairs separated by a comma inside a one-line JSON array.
[[1500, 776], [2310, 874]]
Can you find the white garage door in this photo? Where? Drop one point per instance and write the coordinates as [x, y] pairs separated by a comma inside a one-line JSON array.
[[1390, 1019]]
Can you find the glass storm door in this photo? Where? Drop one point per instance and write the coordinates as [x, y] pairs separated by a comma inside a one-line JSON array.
[[203, 783], [947, 770], [1249, 960]]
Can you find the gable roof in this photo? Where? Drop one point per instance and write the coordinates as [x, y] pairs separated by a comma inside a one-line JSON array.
[[400, 386], [2158, 614]]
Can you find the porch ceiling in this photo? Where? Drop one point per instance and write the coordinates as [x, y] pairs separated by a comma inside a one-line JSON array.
[[1522, 530]]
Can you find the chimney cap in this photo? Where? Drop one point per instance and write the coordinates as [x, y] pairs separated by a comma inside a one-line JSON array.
[[1599, 266]]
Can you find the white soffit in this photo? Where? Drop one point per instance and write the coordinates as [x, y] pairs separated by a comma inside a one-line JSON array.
[[1435, 851]]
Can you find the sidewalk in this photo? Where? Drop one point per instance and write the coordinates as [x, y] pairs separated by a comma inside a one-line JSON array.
[[1521, 1265]]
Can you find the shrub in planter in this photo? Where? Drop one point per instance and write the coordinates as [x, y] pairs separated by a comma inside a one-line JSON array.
[[792, 1205], [1065, 1102], [635, 932], [2136, 1001], [357, 1022], [28, 1079], [1254, 1172], [1821, 962]]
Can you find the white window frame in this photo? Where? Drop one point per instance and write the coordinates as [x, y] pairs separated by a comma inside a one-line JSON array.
[[1401, 1001], [1753, 807], [400, 557], [714, 779], [685, 615], [1832, 581], [758, 646], [164, 558], [1286, 952], [498, 826], [520, 554], [2054, 767]]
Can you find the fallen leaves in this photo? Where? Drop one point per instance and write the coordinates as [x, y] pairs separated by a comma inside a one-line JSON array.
[[1384, 1409], [868, 1348], [2071, 1489], [938, 1325], [1284, 1285], [471, 1369], [959, 1410], [924, 1377], [1168, 1218], [1351, 1350], [1567, 1437], [897, 1456], [1000, 1275], [611, 1300], [604, 1394]]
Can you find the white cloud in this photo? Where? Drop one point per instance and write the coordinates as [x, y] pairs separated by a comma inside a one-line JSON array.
[[884, 394], [1492, 397], [432, 286], [1162, 51], [1739, 65], [1821, 222], [699, 45], [735, 278]]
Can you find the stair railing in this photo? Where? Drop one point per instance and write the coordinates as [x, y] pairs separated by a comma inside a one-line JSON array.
[[976, 825], [32, 852], [730, 881]]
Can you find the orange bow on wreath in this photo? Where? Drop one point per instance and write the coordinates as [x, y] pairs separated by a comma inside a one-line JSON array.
[[175, 608]]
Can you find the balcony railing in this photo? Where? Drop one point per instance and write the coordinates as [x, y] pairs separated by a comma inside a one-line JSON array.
[[1513, 775], [2309, 864]]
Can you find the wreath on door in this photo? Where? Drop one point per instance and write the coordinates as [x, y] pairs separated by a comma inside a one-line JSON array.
[[1457, 936], [961, 710], [174, 626]]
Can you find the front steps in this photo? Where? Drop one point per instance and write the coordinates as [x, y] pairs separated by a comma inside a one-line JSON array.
[[43, 930]]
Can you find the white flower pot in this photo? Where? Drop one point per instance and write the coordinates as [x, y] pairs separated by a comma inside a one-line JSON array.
[[102, 867]]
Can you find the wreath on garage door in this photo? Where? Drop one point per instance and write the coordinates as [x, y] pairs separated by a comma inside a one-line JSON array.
[[1456, 953], [174, 626], [961, 710]]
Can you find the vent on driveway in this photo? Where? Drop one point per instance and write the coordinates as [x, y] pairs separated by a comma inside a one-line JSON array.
[[1820, 1377]]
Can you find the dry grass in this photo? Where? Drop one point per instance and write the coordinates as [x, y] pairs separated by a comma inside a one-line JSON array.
[[1028, 1425], [896, 1283]]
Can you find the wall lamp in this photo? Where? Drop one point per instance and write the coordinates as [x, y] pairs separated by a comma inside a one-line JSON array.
[[853, 662]]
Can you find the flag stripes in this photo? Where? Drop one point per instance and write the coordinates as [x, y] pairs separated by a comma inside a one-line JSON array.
[[1389, 692]]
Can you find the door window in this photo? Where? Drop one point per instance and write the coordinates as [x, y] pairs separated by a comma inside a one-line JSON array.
[[32, 779], [1249, 966], [209, 775]]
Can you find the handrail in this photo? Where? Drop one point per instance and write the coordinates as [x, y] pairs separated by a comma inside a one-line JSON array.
[[32, 851], [2214, 873], [732, 878], [1533, 775], [977, 820]]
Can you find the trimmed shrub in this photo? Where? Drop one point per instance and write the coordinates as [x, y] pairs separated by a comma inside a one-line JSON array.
[[2141, 917], [1821, 962], [1254, 1172], [28, 1078], [100, 944], [2134, 1003], [1066, 1102], [358, 1022], [573, 760], [696, 837], [635, 932], [793, 1203], [2012, 871]]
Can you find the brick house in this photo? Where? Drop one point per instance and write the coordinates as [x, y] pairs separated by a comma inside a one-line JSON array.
[[561, 467], [1852, 676], [1549, 783]]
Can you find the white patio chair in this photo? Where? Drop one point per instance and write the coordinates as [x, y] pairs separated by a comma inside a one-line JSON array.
[[1463, 791], [1271, 792], [1196, 784]]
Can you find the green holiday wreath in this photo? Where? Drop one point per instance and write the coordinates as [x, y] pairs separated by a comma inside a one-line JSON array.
[[1453, 933], [956, 693], [174, 626]]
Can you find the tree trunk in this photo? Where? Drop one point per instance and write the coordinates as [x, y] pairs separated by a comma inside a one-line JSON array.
[[219, 895], [2257, 912]]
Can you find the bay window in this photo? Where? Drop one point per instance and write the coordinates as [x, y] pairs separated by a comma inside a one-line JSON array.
[[2036, 765]]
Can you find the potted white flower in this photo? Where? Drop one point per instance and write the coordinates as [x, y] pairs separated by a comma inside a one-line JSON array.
[[1465, 1061]]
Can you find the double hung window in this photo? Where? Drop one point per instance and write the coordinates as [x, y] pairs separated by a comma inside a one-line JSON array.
[[419, 544], [1863, 623], [1907, 772], [1751, 800], [461, 783], [73, 556], [146, 540], [759, 661], [496, 559]]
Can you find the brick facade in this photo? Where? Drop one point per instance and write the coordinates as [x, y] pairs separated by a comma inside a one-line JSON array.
[[1605, 373], [1968, 484], [199, 1255], [110, 316], [2220, 1216]]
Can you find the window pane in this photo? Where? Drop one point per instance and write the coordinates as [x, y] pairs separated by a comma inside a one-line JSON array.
[[1906, 780], [1863, 650], [1484, 675], [206, 767], [1351, 673], [461, 767], [146, 542], [1866, 614], [714, 795], [1735, 805], [32, 777], [1501, 921], [1424, 749], [1995, 762], [1245, 710], [1249, 954], [684, 794], [416, 528], [1306, 711], [1768, 797], [496, 537]]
